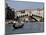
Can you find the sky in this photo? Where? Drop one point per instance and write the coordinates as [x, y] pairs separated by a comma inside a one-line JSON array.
[[24, 5]]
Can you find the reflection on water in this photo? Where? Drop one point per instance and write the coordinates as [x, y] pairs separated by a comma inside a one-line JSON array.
[[29, 27]]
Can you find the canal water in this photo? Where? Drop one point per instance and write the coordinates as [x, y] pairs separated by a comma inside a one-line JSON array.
[[29, 27]]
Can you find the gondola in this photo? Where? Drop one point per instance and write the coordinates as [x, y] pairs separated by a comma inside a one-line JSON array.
[[17, 27]]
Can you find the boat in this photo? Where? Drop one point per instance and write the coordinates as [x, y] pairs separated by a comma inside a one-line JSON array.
[[18, 25], [15, 26]]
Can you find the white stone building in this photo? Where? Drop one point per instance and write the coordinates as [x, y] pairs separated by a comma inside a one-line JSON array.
[[24, 13], [39, 12]]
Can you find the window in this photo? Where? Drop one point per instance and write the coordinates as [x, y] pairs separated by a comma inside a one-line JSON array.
[[23, 11]]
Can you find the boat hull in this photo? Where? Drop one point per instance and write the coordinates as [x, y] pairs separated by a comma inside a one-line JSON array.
[[17, 27]]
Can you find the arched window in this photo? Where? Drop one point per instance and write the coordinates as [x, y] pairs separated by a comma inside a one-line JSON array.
[[23, 11]]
